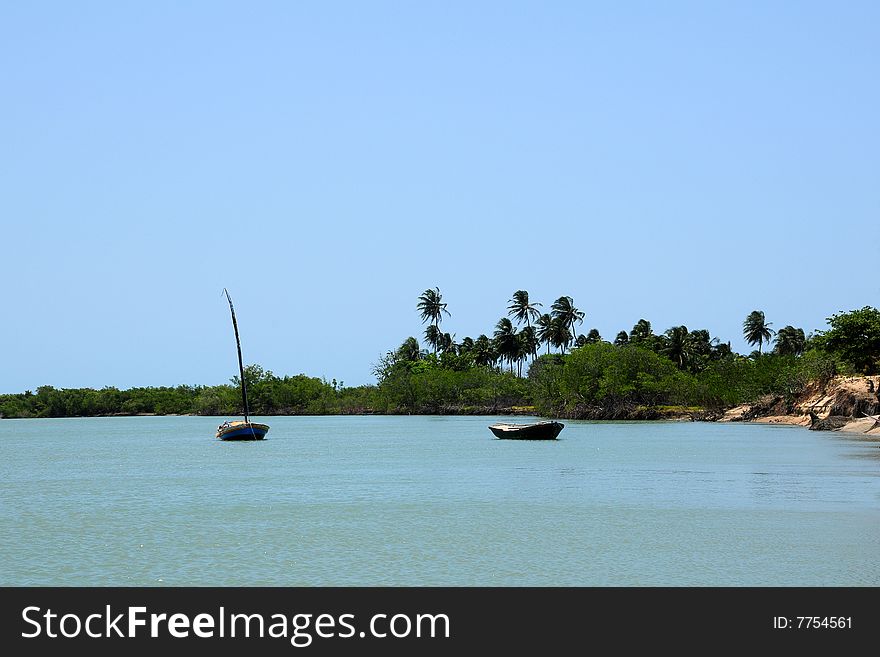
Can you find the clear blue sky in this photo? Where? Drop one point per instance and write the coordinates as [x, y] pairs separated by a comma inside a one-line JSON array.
[[685, 162]]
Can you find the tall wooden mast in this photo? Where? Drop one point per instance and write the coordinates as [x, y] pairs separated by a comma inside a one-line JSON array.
[[240, 364]]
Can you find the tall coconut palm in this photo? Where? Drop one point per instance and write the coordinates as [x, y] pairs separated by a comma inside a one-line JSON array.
[[434, 337], [641, 332], [431, 307], [563, 309], [409, 350], [484, 354], [677, 346], [700, 346], [720, 350], [447, 343], [790, 341], [506, 341], [756, 329], [520, 308], [560, 335], [545, 330], [530, 343], [592, 337], [522, 352], [701, 342]]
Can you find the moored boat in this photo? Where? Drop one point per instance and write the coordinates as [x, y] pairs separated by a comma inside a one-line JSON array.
[[536, 431], [238, 430]]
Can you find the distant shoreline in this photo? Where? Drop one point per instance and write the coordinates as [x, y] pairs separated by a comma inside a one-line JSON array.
[[865, 426], [842, 403]]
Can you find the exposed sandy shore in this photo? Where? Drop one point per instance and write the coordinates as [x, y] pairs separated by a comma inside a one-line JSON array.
[[839, 393], [800, 420], [865, 426]]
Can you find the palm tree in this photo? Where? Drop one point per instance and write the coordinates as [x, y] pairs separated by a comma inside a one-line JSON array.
[[545, 330], [529, 339], [592, 337], [560, 336], [506, 341], [720, 350], [701, 341], [431, 307], [433, 337], [756, 330], [677, 346], [701, 348], [520, 308], [409, 350], [790, 341], [484, 354], [447, 343], [522, 351], [621, 339], [563, 309], [641, 332]]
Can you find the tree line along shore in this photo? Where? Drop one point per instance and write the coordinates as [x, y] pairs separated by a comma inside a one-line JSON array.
[[534, 362]]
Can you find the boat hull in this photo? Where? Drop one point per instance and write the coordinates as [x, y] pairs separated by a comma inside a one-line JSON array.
[[538, 431], [242, 431]]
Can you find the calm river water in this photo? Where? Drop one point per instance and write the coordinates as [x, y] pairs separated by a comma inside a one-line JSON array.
[[434, 501]]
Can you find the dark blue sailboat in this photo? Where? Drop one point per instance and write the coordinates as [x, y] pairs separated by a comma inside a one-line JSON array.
[[238, 429]]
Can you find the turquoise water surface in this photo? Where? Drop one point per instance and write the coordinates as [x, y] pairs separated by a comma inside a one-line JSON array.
[[373, 500]]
